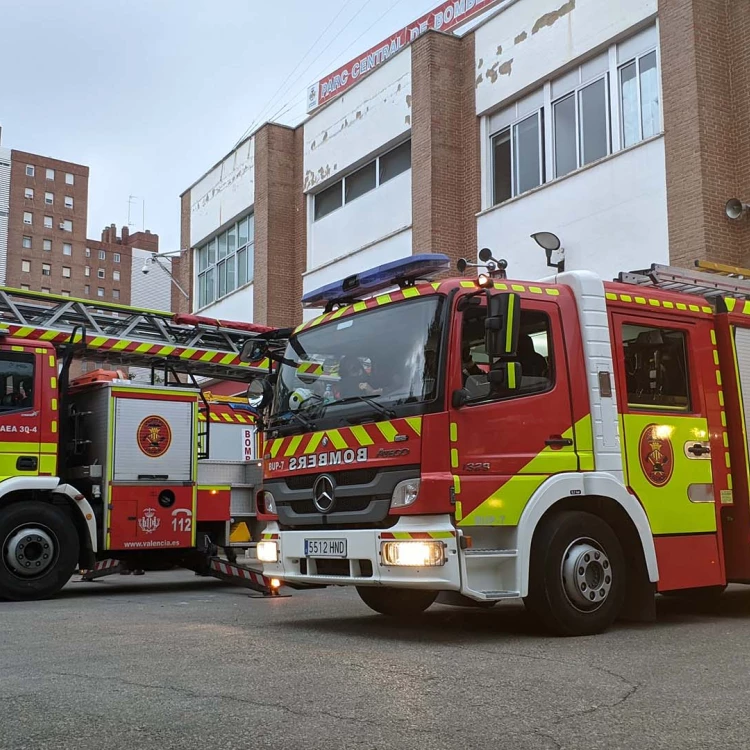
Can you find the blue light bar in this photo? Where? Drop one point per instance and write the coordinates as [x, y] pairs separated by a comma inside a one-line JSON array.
[[359, 285]]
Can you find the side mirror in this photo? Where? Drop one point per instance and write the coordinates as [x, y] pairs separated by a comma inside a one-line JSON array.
[[259, 394], [502, 325], [459, 398], [505, 376], [253, 350]]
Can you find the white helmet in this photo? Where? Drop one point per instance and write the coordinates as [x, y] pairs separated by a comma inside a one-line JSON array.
[[298, 398]]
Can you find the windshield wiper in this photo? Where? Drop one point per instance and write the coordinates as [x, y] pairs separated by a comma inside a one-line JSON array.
[[384, 410]]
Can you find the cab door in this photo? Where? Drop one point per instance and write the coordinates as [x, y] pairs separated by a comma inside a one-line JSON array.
[[504, 446], [672, 438], [20, 412]]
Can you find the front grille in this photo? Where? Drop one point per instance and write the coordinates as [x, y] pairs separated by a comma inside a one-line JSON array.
[[343, 505], [326, 567], [342, 479]]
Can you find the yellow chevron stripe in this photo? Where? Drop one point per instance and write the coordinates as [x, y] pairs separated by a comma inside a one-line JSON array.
[[314, 443], [293, 445], [337, 439], [227, 417], [383, 299], [275, 445], [387, 430], [441, 534], [410, 291], [415, 423], [361, 436]]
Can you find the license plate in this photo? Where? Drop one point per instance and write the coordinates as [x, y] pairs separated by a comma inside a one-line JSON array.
[[325, 547]]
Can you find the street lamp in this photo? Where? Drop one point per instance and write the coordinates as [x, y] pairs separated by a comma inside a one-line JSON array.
[[155, 259], [550, 243]]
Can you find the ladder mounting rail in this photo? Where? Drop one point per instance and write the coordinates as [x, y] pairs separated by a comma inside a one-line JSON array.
[[709, 280]]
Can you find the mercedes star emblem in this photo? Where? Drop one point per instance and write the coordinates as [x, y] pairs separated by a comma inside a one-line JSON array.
[[324, 493]]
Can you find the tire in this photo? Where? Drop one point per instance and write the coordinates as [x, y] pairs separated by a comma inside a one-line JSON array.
[[39, 550], [703, 594], [575, 556], [396, 602]]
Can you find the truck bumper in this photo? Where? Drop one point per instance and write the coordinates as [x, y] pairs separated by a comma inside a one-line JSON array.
[[363, 565]]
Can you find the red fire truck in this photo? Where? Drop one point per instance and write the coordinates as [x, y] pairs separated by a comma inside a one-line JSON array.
[[573, 443], [148, 474]]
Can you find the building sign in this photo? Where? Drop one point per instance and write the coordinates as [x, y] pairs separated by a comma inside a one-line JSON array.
[[248, 445], [448, 15]]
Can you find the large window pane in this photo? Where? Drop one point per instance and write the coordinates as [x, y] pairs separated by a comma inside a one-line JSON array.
[[242, 233], [565, 136], [526, 153], [328, 200], [242, 267], [230, 274], [202, 290], [202, 259], [232, 240], [502, 189], [222, 269], [251, 228], [395, 162], [250, 263], [212, 252], [593, 121], [223, 245], [360, 182], [649, 95], [629, 104], [210, 285]]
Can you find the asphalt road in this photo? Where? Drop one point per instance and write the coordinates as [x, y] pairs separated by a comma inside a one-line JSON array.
[[174, 661]]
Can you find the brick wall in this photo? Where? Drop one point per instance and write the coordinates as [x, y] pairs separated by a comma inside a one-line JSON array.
[[182, 266], [36, 255], [278, 281], [445, 146], [704, 56]]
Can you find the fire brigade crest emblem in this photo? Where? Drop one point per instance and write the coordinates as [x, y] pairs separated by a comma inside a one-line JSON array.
[[149, 522], [154, 436], [656, 454]]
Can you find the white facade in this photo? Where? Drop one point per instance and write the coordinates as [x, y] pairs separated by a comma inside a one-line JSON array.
[[4, 209], [346, 135]]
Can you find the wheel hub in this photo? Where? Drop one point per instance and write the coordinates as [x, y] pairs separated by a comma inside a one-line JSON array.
[[586, 574], [30, 551]]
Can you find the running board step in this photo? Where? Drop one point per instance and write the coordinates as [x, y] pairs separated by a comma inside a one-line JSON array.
[[499, 553], [500, 594]]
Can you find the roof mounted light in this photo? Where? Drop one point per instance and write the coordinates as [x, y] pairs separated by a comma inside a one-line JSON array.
[[403, 272]]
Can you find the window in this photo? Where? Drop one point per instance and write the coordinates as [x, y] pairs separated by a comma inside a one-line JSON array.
[[66, 272], [47, 245], [49, 199], [67, 248], [46, 269], [100, 292], [534, 355], [656, 370], [517, 158], [16, 380], [329, 200], [67, 225], [226, 262], [100, 273], [395, 162], [27, 242], [88, 252], [115, 294], [50, 174], [29, 170], [26, 266], [70, 179], [68, 202], [115, 275], [65, 294], [102, 255], [48, 222], [502, 182], [28, 193], [27, 217], [593, 116], [639, 99], [87, 289], [87, 271], [363, 180], [116, 257], [25, 287], [360, 182], [45, 290]]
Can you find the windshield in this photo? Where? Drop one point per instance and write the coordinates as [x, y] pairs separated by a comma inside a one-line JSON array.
[[371, 363]]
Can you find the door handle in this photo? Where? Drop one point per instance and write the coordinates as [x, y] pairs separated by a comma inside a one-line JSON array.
[[699, 450], [557, 441], [27, 463]]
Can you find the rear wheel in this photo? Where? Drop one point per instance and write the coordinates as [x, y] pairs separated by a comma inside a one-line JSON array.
[[39, 549], [396, 602], [577, 574]]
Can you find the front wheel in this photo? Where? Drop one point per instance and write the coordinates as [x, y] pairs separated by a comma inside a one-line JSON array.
[[577, 574], [396, 602], [38, 550]]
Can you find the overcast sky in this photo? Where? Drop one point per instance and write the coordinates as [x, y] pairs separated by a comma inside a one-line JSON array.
[[151, 93]]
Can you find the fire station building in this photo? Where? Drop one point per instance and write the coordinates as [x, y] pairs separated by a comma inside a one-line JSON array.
[[617, 126]]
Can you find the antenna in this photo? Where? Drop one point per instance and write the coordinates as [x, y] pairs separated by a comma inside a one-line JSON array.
[[132, 198]]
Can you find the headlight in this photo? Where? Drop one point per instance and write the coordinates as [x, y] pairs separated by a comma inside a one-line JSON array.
[[405, 493], [413, 554], [267, 552], [267, 503]]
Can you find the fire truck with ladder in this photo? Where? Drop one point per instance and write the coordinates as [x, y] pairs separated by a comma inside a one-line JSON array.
[[577, 444], [103, 472]]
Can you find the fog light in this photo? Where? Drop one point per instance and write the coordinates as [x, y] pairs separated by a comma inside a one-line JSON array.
[[405, 493], [413, 554], [267, 552]]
